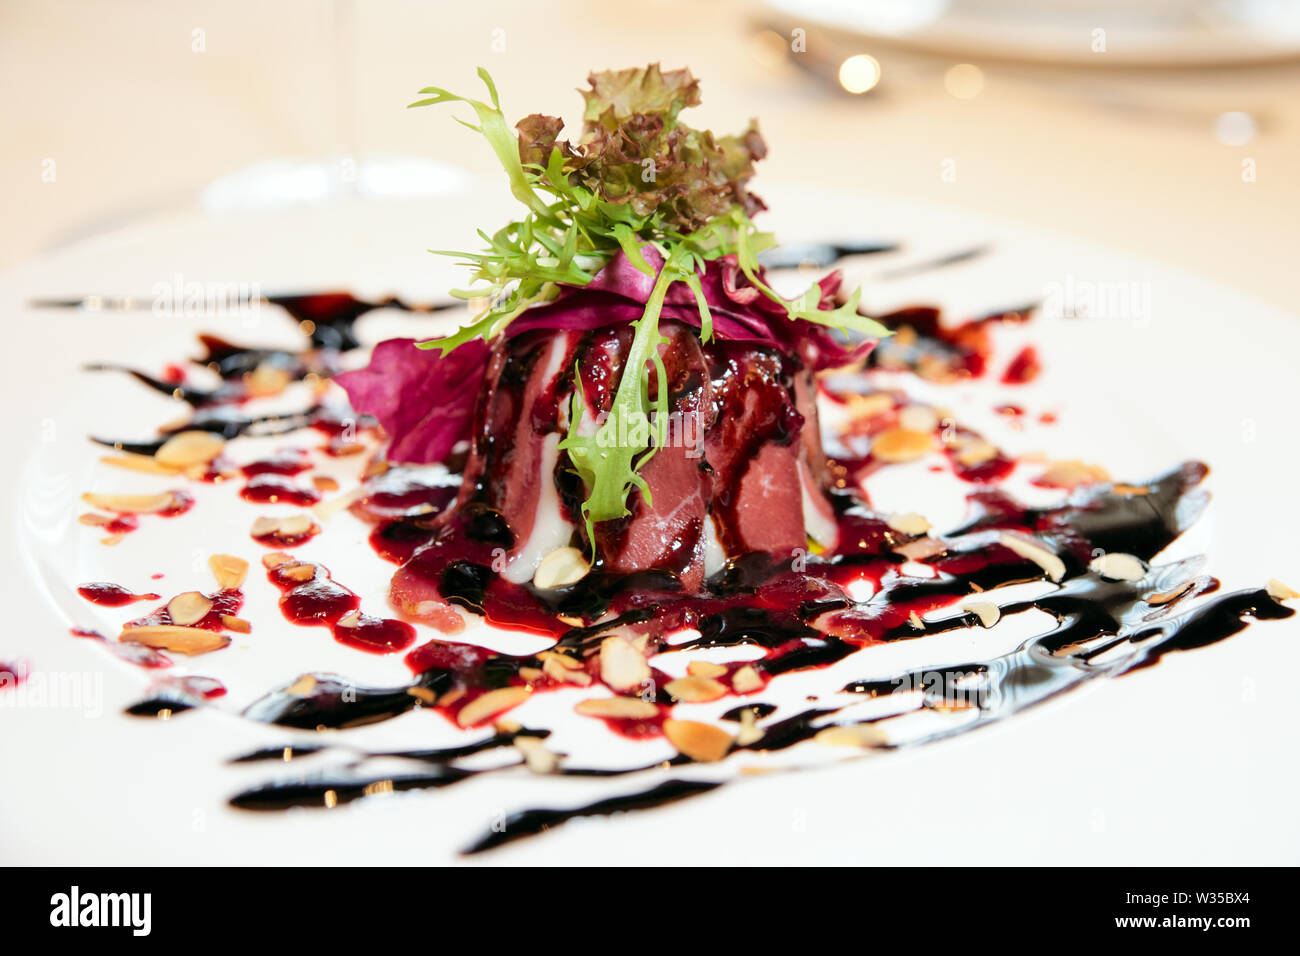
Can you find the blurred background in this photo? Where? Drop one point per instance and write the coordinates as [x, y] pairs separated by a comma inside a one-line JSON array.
[[1169, 127]]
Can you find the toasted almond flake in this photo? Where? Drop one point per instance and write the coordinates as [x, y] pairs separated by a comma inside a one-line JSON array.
[[275, 559], [112, 540], [570, 620], [750, 732], [1123, 489], [898, 445], [1031, 550], [696, 690], [852, 735], [232, 623], [975, 451], [264, 525], [909, 523], [531, 674], [299, 572], [705, 669], [94, 520], [868, 406], [564, 660], [229, 570], [918, 418], [143, 463], [324, 483], [453, 695], [304, 686], [267, 379], [1116, 566], [622, 666], [490, 704], [326, 510], [131, 504], [1158, 598], [633, 708], [563, 673], [1279, 591], [919, 549], [1073, 473], [561, 568], [188, 607], [536, 757], [746, 680], [988, 612], [347, 448], [189, 448], [914, 619], [703, 742], [351, 619], [172, 637], [423, 695]]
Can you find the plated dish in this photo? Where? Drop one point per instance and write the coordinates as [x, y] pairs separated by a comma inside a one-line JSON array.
[[647, 461]]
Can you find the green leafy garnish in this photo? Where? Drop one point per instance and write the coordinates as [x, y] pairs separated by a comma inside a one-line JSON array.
[[637, 175]]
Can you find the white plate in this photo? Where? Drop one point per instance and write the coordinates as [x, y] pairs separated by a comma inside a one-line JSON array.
[[1186, 33], [1186, 762]]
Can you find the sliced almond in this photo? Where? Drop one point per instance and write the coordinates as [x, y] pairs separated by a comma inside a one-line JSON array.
[[189, 448], [561, 568], [852, 735], [351, 619], [1160, 598], [918, 418], [909, 523], [267, 379], [142, 463], [288, 527], [1280, 592], [275, 559], [696, 690], [229, 570], [746, 680], [563, 673], [1117, 566], [705, 669], [897, 445], [563, 660], [299, 572], [750, 732], [188, 607], [536, 757], [94, 520], [173, 637], [423, 695], [490, 704], [633, 708], [112, 539], [622, 666], [703, 742], [304, 686], [1031, 550], [988, 612], [232, 623], [131, 504], [1123, 489], [324, 483], [914, 619], [975, 451], [869, 406], [1072, 474]]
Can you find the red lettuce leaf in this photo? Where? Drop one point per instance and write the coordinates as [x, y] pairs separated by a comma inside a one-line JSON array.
[[425, 401], [740, 311]]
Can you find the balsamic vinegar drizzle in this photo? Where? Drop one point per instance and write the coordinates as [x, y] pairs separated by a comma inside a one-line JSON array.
[[1100, 627]]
